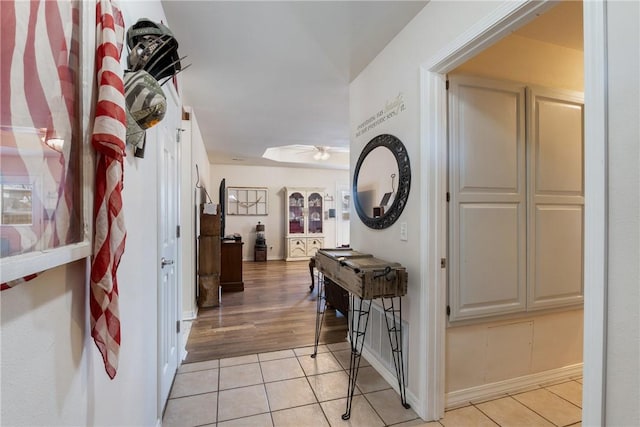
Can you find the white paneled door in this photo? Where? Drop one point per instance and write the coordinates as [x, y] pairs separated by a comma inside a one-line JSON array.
[[488, 198], [168, 307], [556, 197]]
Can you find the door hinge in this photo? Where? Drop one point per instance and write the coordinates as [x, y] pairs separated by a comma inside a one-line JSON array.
[[177, 231], [448, 196], [177, 326], [448, 311], [447, 85], [443, 263]]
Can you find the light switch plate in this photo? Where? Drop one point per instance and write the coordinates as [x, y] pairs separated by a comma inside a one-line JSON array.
[[403, 231]]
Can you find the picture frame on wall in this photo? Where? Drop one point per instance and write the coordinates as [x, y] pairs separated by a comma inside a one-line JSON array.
[[247, 201]]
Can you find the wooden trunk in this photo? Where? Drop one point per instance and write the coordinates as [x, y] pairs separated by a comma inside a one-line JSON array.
[[209, 224], [209, 256], [209, 286], [209, 260], [363, 275]]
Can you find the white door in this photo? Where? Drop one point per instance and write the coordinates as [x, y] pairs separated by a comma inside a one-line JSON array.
[[488, 198], [556, 198], [168, 181]]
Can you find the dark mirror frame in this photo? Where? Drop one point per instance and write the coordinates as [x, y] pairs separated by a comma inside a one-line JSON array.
[[399, 152]]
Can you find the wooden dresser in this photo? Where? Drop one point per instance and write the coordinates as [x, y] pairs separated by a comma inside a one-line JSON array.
[[231, 266]]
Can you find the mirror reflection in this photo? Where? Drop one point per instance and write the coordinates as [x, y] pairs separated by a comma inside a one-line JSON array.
[[377, 182]]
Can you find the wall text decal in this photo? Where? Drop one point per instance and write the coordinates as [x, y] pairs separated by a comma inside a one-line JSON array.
[[391, 109]]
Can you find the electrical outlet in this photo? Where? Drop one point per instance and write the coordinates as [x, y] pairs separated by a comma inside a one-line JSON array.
[[403, 231]]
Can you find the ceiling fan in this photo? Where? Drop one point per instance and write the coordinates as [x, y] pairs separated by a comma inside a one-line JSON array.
[[322, 152], [319, 152], [304, 153]]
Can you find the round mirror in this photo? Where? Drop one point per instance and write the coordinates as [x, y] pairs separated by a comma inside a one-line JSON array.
[[381, 181]]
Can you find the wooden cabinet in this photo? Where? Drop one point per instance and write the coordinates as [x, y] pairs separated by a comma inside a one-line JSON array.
[[231, 266], [517, 198], [304, 223], [209, 259]]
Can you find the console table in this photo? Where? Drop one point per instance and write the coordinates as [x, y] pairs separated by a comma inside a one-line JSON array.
[[365, 278], [231, 266]]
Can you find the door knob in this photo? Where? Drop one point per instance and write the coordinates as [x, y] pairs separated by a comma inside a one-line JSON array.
[[165, 261]]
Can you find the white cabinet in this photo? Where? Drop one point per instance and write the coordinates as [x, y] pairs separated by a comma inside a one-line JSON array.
[[304, 222], [517, 198]]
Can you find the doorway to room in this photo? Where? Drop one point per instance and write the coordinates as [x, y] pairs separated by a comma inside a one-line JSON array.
[[516, 183], [435, 133]]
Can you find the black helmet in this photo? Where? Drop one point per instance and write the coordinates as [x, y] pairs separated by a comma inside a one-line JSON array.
[[153, 48]]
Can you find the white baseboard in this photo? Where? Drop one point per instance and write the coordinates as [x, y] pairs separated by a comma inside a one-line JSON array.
[[512, 385], [389, 377], [185, 329], [190, 314]]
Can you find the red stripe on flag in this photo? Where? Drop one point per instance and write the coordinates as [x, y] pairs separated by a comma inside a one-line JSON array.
[[57, 41], [35, 96], [8, 31]]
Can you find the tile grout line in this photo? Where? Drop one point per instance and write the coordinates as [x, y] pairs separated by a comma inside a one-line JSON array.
[[484, 413], [218, 395], [534, 411], [562, 397], [326, 418], [264, 387]]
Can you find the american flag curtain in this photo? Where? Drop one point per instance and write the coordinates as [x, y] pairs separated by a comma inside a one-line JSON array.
[[108, 140], [39, 127]]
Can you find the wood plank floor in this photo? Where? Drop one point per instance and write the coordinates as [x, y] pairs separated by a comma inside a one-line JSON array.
[[275, 311]]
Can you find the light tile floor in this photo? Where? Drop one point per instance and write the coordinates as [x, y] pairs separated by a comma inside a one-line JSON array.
[[288, 388]]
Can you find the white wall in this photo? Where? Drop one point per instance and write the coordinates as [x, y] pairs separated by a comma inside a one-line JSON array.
[[396, 70], [51, 371], [275, 179], [193, 154], [45, 363], [622, 375]]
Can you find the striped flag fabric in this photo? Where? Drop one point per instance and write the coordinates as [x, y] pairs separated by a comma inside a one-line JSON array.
[[39, 130], [108, 140]]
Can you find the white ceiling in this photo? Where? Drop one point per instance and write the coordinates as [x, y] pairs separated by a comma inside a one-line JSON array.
[[277, 73], [269, 74]]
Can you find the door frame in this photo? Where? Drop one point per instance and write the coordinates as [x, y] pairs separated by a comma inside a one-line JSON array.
[[433, 174]]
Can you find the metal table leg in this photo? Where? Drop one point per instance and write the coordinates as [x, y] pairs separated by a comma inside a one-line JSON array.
[[357, 331], [394, 328], [321, 307]]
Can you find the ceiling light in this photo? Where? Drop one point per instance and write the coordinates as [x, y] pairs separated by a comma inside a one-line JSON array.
[[321, 154]]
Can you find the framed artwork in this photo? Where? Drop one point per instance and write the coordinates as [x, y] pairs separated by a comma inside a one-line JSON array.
[[45, 209], [247, 201]]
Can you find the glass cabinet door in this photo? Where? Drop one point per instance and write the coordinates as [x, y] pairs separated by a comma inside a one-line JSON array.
[[296, 213], [315, 213]]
